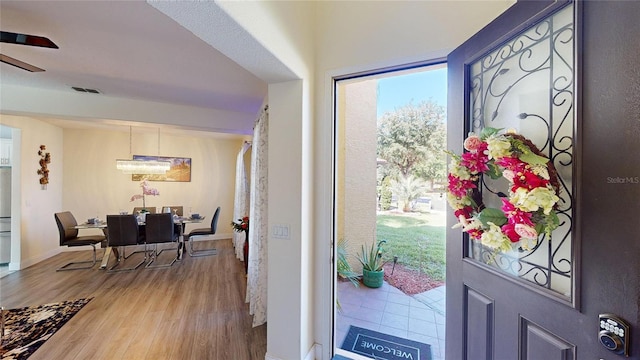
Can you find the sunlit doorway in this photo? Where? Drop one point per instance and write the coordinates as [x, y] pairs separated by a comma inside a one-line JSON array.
[[389, 236]]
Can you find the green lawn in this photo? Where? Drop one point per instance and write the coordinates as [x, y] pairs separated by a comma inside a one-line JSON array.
[[418, 240]]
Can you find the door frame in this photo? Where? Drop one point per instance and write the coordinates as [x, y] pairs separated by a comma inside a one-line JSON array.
[[333, 79]]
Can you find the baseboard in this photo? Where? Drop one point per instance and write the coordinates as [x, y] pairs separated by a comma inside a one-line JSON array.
[[269, 357], [25, 263], [315, 353]]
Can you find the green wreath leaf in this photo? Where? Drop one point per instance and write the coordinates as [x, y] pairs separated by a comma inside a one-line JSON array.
[[488, 131], [495, 216], [533, 159], [494, 171]]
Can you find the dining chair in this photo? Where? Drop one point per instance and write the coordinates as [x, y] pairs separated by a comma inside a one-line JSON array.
[[202, 232], [159, 228], [123, 231], [69, 237], [175, 210], [151, 210]]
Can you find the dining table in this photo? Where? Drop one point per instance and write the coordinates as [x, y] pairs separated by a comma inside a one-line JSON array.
[[179, 221]]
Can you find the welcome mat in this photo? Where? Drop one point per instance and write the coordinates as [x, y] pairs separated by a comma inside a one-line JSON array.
[[385, 347], [27, 328]]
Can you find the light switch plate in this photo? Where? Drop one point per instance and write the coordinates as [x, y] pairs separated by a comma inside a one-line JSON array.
[[281, 231]]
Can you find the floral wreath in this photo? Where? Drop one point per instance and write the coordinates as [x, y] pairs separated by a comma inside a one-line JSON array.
[[530, 208]]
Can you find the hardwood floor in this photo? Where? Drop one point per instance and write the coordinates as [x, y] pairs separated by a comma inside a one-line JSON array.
[[192, 310]]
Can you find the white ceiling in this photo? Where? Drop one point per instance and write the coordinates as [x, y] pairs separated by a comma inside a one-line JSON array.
[[124, 49]]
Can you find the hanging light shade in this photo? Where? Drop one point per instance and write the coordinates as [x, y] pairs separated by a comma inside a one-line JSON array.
[[142, 166]]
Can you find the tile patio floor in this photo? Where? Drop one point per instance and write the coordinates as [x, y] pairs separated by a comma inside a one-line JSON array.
[[388, 310]]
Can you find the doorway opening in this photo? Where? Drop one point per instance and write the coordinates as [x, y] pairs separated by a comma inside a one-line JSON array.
[[9, 241], [390, 203]]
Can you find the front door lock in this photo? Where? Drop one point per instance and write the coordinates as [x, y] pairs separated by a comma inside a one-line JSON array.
[[614, 334]]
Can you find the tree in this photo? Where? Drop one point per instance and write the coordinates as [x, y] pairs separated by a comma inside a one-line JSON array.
[[385, 194], [408, 189], [412, 137]]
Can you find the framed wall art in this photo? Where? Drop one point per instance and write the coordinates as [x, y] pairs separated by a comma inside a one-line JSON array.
[[180, 170]]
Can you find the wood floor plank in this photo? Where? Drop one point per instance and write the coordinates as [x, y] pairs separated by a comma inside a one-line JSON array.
[[192, 310]]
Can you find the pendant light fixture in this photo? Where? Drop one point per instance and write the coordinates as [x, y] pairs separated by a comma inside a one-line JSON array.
[[143, 166]]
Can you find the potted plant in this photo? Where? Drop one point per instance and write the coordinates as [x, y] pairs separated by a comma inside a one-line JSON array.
[[342, 264], [372, 265], [146, 190]]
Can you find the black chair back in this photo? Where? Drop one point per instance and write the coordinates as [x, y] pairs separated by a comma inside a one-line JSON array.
[[66, 222], [214, 220], [159, 228], [122, 230]]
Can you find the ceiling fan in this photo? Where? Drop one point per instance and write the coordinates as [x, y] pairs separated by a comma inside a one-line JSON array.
[[24, 39]]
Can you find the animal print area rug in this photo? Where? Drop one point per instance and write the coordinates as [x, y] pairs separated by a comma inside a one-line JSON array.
[[27, 328]]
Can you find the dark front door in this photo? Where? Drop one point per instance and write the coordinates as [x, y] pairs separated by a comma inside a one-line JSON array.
[[565, 76]]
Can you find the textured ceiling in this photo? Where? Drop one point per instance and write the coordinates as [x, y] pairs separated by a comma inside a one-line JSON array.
[[125, 49]]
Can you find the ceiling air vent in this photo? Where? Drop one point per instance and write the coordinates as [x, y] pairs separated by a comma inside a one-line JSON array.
[[85, 90]]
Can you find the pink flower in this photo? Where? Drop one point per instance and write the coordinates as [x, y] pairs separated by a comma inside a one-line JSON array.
[[459, 187], [472, 143], [476, 162], [475, 234], [511, 163], [509, 231], [146, 190], [465, 212], [150, 191], [515, 215], [526, 231], [528, 180]]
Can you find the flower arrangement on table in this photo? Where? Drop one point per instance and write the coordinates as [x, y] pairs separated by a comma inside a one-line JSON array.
[[146, 190], [529, 210], [242, 225]]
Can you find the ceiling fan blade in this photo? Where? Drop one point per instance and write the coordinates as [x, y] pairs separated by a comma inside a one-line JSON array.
[[24, 39], [17, 63]]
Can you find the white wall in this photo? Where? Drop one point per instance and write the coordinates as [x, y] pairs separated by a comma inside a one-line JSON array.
[[38, 232], [93, 186]]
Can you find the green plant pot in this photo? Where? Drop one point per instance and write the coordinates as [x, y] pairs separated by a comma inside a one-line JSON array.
[[372, 279]]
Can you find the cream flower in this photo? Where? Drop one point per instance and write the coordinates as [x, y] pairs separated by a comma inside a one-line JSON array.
[[540, 170], [498, 146], [474, 224], [462, 172], [456, 202], [495, 239], [509, 175], [531, 201]]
